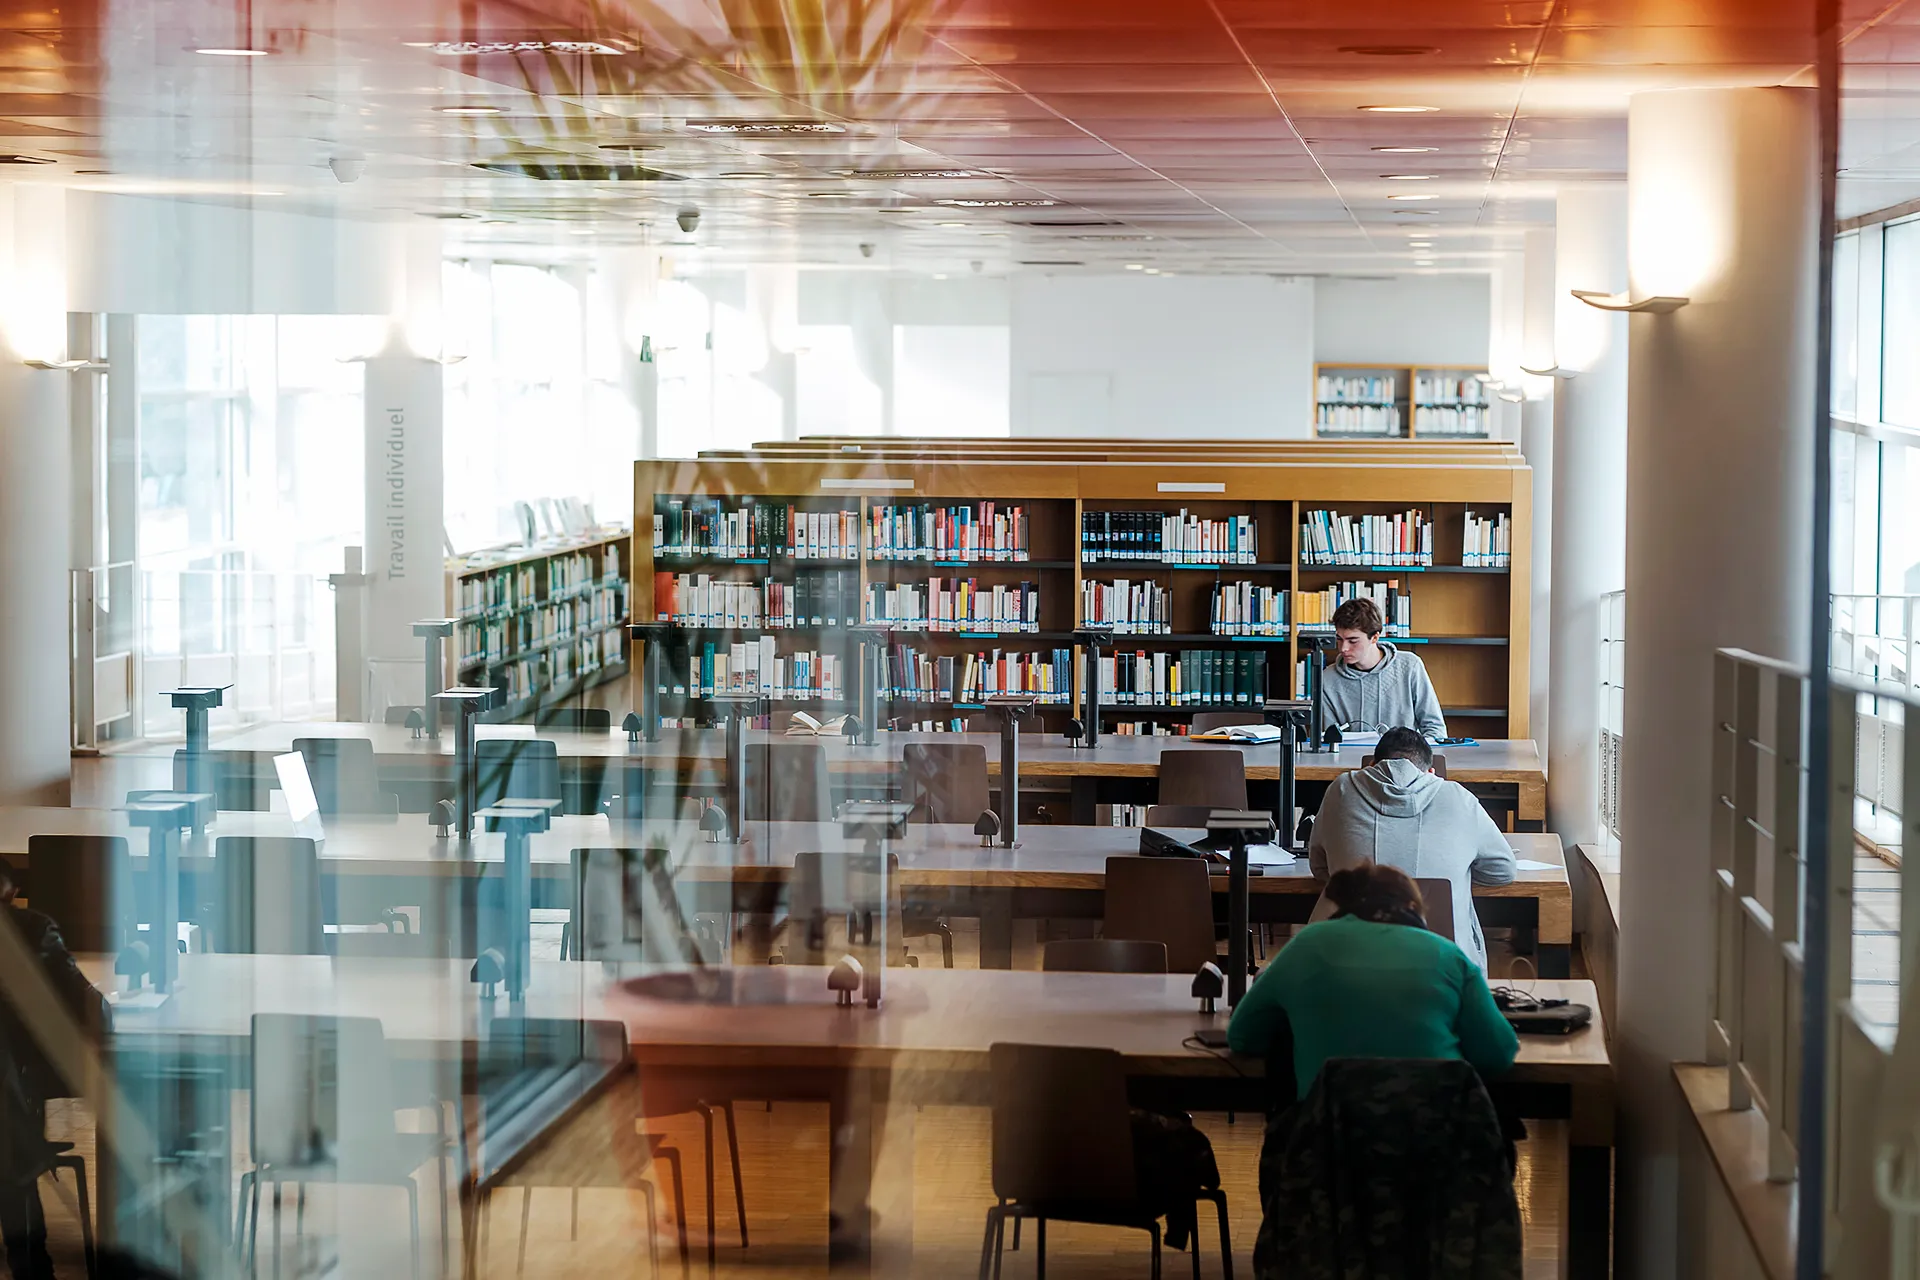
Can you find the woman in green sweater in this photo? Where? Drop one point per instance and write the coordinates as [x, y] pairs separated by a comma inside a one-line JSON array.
[[1372, 982]]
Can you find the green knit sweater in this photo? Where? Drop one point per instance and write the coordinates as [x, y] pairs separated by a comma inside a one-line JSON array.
[[1350, 988]]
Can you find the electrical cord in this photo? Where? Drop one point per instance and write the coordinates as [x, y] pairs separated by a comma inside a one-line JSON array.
[[1193, 1042]]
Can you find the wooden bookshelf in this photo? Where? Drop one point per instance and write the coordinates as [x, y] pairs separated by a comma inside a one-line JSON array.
[[1369, 402], [540, 623], [1469, 622]]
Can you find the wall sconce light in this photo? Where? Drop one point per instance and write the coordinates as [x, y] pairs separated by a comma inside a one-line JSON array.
[[68, 366], [1660, 304], [1555, 372]]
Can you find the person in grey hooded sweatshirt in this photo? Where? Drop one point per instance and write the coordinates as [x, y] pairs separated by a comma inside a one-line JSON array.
[[1371, 686], [1398, 813]]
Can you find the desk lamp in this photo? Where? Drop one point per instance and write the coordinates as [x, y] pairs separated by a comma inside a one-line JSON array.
[[713, 821], [1010, 707], [432, 631], [1209, 984], [1091, 640], [846, 977], [415, 722], [1238, 828], [632, 727], [442, 818], [737, 707], [987, 826], [466, 704], [196, 702]]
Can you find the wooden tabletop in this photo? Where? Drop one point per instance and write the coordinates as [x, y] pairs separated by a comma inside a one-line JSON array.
[[932, 1020], [1497, 760]]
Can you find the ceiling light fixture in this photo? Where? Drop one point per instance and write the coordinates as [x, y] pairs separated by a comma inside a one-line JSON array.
[[23, 160], [1399, 110], [1411, 195], [939, 275], [949, 224], [468, 111], [743, 173], [475, 48], [1405, 151], [219, 52], [828, 195], [1659, 304], [1389, 50], [998, 204], [909, 175], [764, 127], [1423, 262], [1136, 266], [1408, 177]]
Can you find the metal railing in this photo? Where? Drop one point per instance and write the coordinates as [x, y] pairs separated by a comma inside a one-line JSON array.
[[1613, 708], [1756, 1016], [137, 632], [1874, 643]]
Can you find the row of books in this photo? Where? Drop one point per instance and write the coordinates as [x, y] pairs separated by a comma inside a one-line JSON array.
[[1453, 420], [1314, 609], [974, 677], [1171, 538], [1488, 543], [508, 588], [1361, 419], [753, 528], [1130, 608], [1247, 609], [1187, 678], [1355, 388], [925, 531], [815, 598], [1145, 729], [579, 570], [1331, 538], [955, 604], [1448, 389], [752, 666]]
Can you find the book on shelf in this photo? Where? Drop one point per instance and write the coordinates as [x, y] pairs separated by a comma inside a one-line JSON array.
[[1179, 537], [1356, 388], [1185, 678], [1313, 611], [916, 675], [1452, 420], [955, 604], [752, 529], [1487, 543], [1403, 539], [1128, 607], [1247, 609], [985, 531], [815, 598], [1360, 419], [800, 724], [709, 668], [1253, 733], [1145, 729]]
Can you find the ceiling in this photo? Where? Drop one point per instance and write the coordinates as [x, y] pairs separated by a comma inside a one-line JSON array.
[[1185, 136]]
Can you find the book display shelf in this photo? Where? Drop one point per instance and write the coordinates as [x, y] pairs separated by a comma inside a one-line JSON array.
[[540, 624], [1400, 402], [974, 577]]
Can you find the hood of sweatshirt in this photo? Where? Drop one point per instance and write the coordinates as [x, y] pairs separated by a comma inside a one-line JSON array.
[[1397, 788], [1341, 671]]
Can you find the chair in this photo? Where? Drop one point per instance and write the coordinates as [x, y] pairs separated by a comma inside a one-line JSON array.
[[345, 778], [1063, 1150], [574, 719], [398, 715], [1206, 721], [787, 782], [1168, 900], [1213, 776], [1439, 763], [86, 884], [520, 768], [266, 897], [305, 1127], [532, 1071], [808, 909], [1178, 815], [945, 781], [1435, 893], [1104, 955]]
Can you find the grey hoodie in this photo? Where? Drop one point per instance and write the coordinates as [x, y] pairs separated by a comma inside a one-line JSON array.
[[1395, 693], [1395, 813]]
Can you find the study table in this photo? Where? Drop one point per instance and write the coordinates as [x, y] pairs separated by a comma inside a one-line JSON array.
[[693, 757], [760, 1032], [1055, 872]]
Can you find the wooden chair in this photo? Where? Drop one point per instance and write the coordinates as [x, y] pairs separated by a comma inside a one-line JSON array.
[[1435, 893], [1205, 721], [1104, 955], [517, 768], [86, 884], [787, 782], [1063, 1150], [1439, 763], [1167, 900], [574, 719], [345, 777], [1212, 776], [398, 715], [945, 781], [267, 897], [1178, 815]]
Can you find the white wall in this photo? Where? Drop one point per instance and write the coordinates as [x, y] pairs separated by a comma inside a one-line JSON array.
[[1403, 320], [1134, 355]]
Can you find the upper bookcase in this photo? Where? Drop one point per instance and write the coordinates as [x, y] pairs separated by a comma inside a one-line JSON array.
[[1401, 402]]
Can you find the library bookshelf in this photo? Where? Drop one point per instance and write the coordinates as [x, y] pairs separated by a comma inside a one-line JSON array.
[[1468, 623], [540, 623], [1401, 402]]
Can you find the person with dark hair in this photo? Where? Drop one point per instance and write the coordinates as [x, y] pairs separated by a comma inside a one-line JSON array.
[[1398, 813], [1372, 982], [28, 1078], [1371, 685]]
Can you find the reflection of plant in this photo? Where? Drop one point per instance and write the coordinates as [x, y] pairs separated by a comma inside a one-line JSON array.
[[810, 59]]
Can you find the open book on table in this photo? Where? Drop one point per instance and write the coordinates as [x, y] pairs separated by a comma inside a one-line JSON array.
[[1242, 733], [804, 725]]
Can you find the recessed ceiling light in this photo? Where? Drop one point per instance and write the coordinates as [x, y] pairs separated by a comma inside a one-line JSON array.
[[896, 210], [910, 175], [1407, 177], [1423, 262], [998, 204], [630, 146], [939, 275], [219, 52], [743, 173], [1136, 266], [1405, 151], [765, 126], [1399, 110], [1389, 50], [949, 224], [468, 111], [1153, 271], [461, 216], [23, 160], [581, 231], [1411, 195], [474, 48], [828, 195]]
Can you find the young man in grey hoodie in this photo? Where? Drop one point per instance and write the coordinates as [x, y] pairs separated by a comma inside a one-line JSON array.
[[1398, 813], [1371, 686]]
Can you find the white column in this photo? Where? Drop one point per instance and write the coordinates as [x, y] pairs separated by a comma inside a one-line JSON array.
[[1723, 208], [1589, 492], [35, 499]]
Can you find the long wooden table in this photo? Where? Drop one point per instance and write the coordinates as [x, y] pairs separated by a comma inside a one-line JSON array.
[[776, 1033], [1056, 872], [694, 757]]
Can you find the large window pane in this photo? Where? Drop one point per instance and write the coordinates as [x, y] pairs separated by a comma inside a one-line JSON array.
[[1900, 373], [1846, 325]]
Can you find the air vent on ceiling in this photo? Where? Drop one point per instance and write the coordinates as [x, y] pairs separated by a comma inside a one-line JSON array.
[[574, 172]]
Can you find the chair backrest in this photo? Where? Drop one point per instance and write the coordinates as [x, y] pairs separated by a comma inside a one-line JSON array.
[[786, 781], [345, 778], [1062, 1131], [625, 908], [945, 781], [398, 715], [546, 1042], [267, 897], [575, 719], [1203, 721], [303, 1064], [1167, 900], [521, 768], [851, 885], [1178, 815], [1439, 763], [85, 883], [1104, 955], [1213, 776], [1437, 896]]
